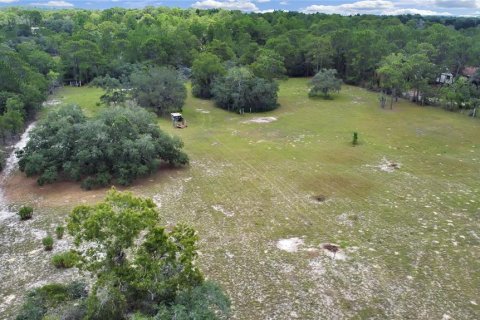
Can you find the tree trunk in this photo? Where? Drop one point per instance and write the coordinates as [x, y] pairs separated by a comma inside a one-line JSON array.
[[391, 100]]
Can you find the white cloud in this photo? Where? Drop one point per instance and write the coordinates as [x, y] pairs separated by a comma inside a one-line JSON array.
[[242, 5], [421, 12], [369, 5], [457, 3], [58, 4], [352, 8], [265, 11], [262, 1], [381, 7], [8, 1]]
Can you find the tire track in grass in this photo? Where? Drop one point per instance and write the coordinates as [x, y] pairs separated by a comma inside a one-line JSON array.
[[274, 185]]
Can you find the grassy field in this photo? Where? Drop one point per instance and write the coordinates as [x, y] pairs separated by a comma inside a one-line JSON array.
[[410, 236]]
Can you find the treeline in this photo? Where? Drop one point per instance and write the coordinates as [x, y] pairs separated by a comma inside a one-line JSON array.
[[80, 45], [92, 43], [26, 74]]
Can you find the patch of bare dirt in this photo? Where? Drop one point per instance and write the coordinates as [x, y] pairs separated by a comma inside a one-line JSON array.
[[388, 165], [289, 245], [319, 198], [221, 209], [261, 120], [333, 250]]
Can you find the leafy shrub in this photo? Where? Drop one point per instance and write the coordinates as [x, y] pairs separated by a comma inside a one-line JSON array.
[[65, 260], [206, 301], [355, 139], [59, 231], [106, 303], [38, 301], [25, 212], [47, 243]]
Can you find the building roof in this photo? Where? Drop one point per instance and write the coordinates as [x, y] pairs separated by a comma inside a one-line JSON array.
[[175, 114]]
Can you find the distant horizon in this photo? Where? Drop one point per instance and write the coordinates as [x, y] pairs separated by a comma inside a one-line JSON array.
[[461, 8]]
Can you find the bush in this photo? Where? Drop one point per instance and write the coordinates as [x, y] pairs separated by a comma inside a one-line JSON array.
[[355, 139], [106, 303], [25, 212], [65, 260], [206, 301], [59, 231], [48, 243], [38, 301]]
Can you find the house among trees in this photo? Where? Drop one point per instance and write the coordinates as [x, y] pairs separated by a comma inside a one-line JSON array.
[[445, 78]]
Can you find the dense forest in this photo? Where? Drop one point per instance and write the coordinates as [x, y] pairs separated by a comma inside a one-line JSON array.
[[41, 50]]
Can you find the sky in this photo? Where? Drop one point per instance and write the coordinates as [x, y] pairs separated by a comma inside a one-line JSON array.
[[345, 7]]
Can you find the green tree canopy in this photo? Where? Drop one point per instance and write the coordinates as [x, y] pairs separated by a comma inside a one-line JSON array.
[[240, 91], [120, 145], [139, 263], [324, 82], [392, 74], [269, 65], [205, 69], [158, 88], [141, 270]]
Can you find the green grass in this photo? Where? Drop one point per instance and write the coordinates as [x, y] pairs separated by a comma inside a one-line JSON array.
[[86, 97], [411, 237]]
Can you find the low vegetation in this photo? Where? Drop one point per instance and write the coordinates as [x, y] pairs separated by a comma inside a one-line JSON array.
[[59, 231], [47, 243], [25, 213], [54, 300], [65, 260], [355, 139]]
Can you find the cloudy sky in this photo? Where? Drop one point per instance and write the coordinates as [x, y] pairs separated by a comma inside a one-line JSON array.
[[346, 7]]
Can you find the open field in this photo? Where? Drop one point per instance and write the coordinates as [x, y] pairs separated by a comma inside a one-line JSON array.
[[410, 236]]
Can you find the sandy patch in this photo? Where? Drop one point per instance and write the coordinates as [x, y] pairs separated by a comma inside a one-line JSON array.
[[202, 111], [388, 166], [221, 209], [51, 103], [289, 245], [317, 267], [261, 120]]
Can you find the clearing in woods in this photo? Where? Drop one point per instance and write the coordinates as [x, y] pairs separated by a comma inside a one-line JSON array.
[[294, 222]]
